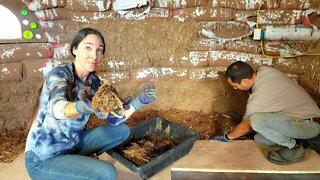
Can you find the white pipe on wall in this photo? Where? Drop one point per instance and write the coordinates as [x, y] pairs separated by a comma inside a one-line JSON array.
[[291, 32]]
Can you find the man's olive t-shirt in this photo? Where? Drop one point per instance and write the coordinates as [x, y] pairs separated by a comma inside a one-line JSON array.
[[273, 91]]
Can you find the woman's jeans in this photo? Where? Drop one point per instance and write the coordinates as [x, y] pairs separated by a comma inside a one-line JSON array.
[[279, 129], [78, 165]]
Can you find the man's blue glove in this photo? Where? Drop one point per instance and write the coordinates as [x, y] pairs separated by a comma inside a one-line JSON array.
[[223, 138], [147, 95]]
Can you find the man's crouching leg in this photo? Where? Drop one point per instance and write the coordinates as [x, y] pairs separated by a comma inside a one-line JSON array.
[[286, 156], [278, 129]]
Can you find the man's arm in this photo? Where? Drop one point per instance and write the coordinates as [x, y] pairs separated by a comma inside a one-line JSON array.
[[241, 129]]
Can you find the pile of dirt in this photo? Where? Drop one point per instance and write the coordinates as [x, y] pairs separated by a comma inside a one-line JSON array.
[[207, 125], [12, 143]]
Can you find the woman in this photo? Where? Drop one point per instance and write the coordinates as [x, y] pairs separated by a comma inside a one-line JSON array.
[[57, 145]]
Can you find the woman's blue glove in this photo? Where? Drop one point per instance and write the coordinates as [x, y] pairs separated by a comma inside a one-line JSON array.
[[123, 114], [147, 95], [126, 100], [83, 106], [114, 121], [101, 115], [223, 138]]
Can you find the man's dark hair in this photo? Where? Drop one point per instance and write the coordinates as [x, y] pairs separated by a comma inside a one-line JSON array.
[[81, 35], [239, 70]]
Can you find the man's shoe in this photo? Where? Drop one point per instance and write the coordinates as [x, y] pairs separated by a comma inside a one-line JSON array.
[[312, 143], [286, 156]]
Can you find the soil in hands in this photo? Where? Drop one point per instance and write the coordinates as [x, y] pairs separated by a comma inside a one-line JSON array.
[[106, 99]]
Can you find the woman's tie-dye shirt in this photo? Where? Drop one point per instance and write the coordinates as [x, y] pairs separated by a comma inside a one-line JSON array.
[[52, 133]]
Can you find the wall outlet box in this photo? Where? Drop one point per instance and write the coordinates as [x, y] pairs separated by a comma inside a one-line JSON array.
[[257, 34]]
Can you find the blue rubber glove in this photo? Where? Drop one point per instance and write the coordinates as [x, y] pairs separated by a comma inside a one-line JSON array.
[[147, 95], [101, 115], [114, 121], [223, 138], [126, 100], [84, 107]]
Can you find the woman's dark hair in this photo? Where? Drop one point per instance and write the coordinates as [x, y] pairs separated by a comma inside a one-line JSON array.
[[239, 70], [81, 35]]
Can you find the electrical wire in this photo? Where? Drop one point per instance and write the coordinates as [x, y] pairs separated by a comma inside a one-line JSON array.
[[258, 14]]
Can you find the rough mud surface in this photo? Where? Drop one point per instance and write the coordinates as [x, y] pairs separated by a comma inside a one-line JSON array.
[[207, 125], [17, 103]]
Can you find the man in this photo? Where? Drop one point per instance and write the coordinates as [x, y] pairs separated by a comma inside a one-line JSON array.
[[279, 110]]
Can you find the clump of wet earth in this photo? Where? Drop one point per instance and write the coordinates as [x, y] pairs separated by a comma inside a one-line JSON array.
[[106, 99]]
